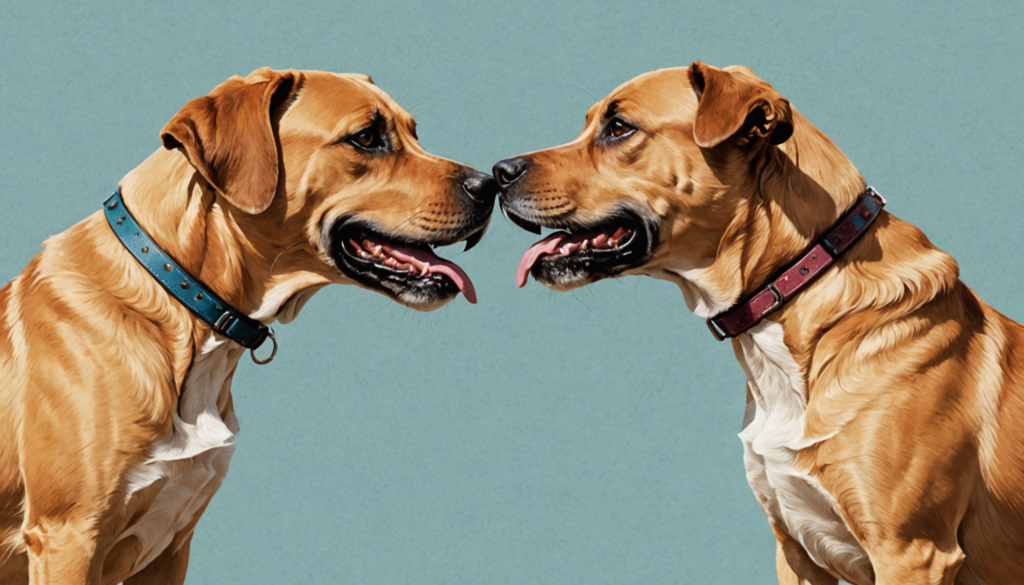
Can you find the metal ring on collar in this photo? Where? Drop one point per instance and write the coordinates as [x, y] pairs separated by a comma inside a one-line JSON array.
[[273, 353]]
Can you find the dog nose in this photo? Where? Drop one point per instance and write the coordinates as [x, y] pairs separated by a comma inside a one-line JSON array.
[[509, 171], [480, 187]]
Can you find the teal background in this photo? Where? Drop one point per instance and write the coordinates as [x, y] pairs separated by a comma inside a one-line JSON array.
[[584, 438]]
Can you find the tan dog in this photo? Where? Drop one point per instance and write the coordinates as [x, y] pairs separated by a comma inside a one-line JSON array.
[[116, 420], [883, 432]]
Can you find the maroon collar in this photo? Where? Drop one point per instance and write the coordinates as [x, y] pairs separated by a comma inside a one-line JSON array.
[[796, 276]]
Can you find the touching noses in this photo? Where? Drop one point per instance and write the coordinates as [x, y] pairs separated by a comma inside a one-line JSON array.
[[481, 188], [509, 171]]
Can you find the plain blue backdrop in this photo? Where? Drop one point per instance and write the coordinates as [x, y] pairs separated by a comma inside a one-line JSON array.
[[585, 438]]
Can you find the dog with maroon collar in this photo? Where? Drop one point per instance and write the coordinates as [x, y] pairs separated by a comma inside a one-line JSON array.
[[118, 342], [881, 433]]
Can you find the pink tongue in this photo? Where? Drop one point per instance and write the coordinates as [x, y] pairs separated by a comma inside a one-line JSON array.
[[429, 263], [546, 246]]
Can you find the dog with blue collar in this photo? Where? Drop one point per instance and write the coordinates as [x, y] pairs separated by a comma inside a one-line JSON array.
[[118, 342]]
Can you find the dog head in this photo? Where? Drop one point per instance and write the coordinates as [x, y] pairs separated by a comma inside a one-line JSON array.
[[665, 180], [324, 180]]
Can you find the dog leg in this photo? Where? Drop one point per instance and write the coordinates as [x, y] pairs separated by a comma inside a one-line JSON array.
[[796, 568], [917, 563], [62, 552], [167, 569]]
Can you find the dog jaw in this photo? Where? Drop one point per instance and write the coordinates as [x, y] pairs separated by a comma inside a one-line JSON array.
[[617, 243]]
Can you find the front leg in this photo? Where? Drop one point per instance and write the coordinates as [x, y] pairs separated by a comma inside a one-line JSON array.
[[62, 551], [918, 562], [795, 567]]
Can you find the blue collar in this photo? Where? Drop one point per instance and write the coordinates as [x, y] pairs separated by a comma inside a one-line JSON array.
[[199, 299]]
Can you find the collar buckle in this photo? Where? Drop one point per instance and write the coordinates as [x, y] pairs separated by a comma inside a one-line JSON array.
[[778, 298], [224, 323], [716, 330]]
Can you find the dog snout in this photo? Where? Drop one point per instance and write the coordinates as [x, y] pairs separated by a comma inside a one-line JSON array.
[[481, 188], [509, 171]]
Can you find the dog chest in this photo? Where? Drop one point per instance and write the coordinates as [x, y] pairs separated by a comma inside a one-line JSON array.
[[772, 436], [193, 461]]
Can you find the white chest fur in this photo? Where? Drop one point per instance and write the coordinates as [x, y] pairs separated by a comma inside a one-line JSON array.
[[773, 435], [193, 460]]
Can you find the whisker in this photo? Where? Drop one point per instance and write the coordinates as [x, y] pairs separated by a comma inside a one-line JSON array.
[[399, 226], [281, 253]]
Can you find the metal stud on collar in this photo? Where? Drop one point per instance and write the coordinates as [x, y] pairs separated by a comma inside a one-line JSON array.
[[203, 303], [273, 353]]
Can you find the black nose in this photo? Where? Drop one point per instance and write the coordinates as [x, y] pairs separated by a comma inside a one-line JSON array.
[[509, 170], [480, 187]]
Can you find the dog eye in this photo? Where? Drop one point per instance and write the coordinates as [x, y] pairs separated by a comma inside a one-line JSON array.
[[617, 129], [366, 139]]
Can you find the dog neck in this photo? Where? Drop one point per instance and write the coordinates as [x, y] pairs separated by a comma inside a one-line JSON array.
[[267, 276], [800, 189], [805, 186]]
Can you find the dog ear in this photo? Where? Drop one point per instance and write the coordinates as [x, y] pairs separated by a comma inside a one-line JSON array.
[[735, 102], [228, 138]]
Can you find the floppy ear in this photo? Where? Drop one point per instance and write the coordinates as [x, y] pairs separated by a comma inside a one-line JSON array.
[[735, 102], [227, 137]]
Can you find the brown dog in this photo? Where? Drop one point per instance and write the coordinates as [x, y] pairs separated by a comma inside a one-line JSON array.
[[116, 420], [882, 433]]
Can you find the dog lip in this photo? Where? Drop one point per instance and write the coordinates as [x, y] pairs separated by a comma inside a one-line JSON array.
[[415, 263], [585, 248], [474, 238], [520, 221]]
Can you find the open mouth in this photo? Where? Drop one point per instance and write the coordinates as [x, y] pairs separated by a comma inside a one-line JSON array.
[[618, 243], [407, 270]]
